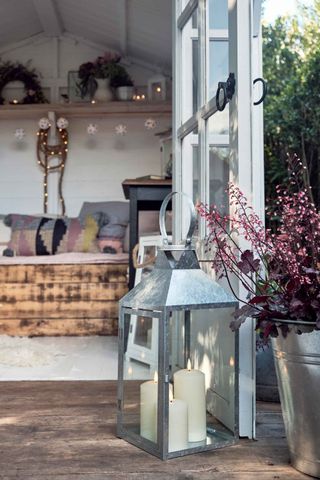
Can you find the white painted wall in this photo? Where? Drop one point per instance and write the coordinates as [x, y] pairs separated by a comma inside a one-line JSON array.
[[95, 168], [97, 165]]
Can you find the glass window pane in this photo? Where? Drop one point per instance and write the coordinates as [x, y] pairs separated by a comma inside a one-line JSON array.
[[219, 177], [195, 19], [218, 124], [189, 74], [218, 14], [191, 174], [218, 65], [196, 175]]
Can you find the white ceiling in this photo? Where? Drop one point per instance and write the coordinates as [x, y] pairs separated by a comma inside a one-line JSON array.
[[135, 28]]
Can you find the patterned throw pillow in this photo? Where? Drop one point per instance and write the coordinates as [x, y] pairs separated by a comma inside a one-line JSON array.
[[25, 235], [46, 236], [64, 235], [111, 234]]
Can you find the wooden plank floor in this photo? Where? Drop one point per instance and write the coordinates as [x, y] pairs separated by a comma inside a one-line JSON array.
[[66, 431]]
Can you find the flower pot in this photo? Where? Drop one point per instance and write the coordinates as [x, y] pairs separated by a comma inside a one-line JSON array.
[[125, 93], [297, 361], [103, 92]]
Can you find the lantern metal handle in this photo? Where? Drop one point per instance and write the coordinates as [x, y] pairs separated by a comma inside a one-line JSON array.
[[162, 217]]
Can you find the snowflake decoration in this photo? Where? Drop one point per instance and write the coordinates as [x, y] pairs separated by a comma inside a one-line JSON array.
[[44, 123], [62, 123], [121, 129], [92, 129], [19, 133], [150, 124]]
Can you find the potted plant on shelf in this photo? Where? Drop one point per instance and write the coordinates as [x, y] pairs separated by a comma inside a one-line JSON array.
[[99, 78], [121, 82], [280, 273]]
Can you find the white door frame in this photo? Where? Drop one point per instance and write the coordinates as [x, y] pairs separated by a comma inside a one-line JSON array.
[[246, 142]]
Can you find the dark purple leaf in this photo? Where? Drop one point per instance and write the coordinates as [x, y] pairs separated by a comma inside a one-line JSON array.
[[248, 263], [259, 299], [240, 315]]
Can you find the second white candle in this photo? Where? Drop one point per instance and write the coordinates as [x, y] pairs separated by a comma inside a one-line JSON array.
[[189, 386]]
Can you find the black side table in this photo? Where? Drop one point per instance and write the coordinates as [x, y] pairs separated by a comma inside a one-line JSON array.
[[143, 195]]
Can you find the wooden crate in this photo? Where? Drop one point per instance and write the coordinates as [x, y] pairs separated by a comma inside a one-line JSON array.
[[68, 299]]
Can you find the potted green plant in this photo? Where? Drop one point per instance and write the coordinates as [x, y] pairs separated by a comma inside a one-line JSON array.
[[281, 274], [100, 78], [121, 82]]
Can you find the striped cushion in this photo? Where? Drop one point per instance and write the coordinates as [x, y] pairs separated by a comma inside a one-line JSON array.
[[46, 236]]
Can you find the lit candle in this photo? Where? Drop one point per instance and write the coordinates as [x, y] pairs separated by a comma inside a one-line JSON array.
[[189, 386], [178, 424], [148, 408]]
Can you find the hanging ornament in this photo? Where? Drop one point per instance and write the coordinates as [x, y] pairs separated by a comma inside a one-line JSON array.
[[45, 153], [92, 129], [121, 129], [62, 123], [150, 123], [19, 134], [44, 123]]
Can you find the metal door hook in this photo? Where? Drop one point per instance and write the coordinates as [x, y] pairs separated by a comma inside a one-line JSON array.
[[264, 90]]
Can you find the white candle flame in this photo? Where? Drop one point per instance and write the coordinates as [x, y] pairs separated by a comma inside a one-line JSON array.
[[189, 364], [155, 377]]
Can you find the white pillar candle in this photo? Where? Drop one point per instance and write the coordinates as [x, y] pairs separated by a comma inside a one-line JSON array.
[[189, 385], [148, 408], [178, 425]]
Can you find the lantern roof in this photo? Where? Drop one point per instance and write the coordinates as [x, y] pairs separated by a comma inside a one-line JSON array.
[[177, 284]]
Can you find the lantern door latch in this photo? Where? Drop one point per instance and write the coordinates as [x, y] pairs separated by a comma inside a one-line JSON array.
[[225, 92]]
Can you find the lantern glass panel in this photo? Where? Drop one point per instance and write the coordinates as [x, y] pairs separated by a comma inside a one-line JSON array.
[[204, 376], [140, 381]]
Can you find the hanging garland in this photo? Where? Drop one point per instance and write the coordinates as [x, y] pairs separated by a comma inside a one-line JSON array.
[[11, 72], [46, 152]]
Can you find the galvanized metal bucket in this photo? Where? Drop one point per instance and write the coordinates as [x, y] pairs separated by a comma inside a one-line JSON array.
[[297, 362]]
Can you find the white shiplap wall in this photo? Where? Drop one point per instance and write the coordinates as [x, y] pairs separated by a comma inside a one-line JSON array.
[[95, 167]]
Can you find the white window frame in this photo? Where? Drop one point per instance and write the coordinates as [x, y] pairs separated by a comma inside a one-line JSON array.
[[246, 142]]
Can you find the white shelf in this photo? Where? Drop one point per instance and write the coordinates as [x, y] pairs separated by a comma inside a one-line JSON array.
[[79, 110]]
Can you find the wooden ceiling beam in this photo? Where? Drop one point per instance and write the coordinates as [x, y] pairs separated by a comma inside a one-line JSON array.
[[49, 17], [123, 16]]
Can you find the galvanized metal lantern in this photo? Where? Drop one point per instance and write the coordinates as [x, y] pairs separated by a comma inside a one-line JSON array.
[[189, 403]]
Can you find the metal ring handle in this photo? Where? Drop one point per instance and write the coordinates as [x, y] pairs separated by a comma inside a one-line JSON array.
[[264, 90], [221, 106], [162, 217]]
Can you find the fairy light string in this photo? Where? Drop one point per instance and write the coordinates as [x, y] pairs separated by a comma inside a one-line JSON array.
[[45, 153]]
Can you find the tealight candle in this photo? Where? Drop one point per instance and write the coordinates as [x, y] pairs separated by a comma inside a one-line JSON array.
[[189, 386]]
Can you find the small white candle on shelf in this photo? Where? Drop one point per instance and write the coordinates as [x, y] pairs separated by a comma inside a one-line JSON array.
[[189, 386], [148, 408], [178, 424]]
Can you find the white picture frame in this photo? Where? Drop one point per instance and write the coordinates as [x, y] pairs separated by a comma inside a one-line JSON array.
[[142, 343]]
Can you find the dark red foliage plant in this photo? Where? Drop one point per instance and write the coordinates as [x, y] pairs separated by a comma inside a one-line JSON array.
[[279, 267]]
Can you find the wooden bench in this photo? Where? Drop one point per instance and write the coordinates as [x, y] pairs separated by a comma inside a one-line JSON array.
[[61, 299]]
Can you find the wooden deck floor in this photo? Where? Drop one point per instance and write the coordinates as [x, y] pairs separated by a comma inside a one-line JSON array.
[[66, 431]]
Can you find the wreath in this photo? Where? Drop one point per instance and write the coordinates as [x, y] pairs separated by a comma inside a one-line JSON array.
[[10, 72]]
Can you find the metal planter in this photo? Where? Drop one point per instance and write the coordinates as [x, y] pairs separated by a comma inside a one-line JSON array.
[[297, 361]]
